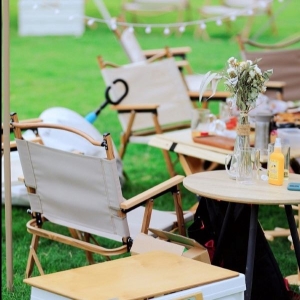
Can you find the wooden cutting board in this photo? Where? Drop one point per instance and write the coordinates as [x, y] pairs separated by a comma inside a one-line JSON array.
[[216, 141]]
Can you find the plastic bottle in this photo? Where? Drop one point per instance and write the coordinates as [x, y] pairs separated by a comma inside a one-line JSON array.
[[276, 165]]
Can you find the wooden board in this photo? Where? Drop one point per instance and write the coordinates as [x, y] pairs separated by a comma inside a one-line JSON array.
[[136, 277], [216, 141]]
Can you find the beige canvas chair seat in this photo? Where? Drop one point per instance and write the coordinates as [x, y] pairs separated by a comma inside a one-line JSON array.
[[83, 193], [283, 58]]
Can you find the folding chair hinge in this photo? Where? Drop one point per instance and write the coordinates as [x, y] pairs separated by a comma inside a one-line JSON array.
[[35, 131], [37, 216], [175, 190], [128, 242], [104, 144]]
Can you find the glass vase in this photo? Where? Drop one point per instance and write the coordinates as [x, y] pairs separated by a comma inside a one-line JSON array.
[[242, 141]]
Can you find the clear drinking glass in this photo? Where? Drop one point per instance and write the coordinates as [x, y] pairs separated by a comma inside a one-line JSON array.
[[246, 165]]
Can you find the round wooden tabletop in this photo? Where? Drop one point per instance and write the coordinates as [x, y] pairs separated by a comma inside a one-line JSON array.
[[217, 185]]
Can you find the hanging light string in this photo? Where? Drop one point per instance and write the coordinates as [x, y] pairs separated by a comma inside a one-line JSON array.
[[113, 22]]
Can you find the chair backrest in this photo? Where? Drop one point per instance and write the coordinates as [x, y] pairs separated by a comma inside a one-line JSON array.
[[158, 82], [131, 46], [285, 62], [60, 180], [257, 5], [154, 7]]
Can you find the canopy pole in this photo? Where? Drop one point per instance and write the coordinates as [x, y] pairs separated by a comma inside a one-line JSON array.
[[6, 142]]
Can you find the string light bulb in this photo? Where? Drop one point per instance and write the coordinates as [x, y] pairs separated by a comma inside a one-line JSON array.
[[181, 28], [202, 25], [90, 22], [219, 22], [148, 29], [232, 18], [167, 31], [113, 24]]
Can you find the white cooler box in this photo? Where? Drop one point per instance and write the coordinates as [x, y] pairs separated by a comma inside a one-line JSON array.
[[51, 17]]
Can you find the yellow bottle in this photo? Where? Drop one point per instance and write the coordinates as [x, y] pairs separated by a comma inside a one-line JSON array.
[[276, 165]]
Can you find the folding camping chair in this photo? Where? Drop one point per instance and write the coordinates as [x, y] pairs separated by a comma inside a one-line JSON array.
[[283, 58], [134, 52], [83, 193], [157, 101], [155, 8], [228, 10]]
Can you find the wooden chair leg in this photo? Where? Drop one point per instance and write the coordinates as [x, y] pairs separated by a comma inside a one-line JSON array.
[[166, 153], [169, 163], [147, 216], [272, 21], [88, 254], [33, 258], [126, 135], [75, 233], [179, 212]]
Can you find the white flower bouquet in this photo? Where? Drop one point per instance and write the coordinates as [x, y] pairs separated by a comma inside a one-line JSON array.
[[244, 79]]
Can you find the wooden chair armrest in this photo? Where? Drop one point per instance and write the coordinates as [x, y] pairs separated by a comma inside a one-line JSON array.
[[177, 51], [184, 65], [13, 144], [219, 95], [35, 120], [285, 43], [103, 64], [152, 192], [135, 107], [275, 85], [56, 126], [159, 55]]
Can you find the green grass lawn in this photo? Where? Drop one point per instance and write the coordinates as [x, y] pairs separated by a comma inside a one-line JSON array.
[[62, 71]]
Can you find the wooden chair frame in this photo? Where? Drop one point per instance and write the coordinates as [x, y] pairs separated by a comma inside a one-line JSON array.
[[83, 240], [281, 51], [36, 139], [230, 7], [180, 55], [154, 8], [136, 109]]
